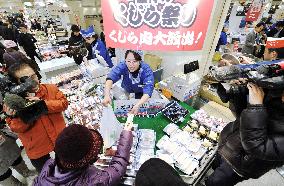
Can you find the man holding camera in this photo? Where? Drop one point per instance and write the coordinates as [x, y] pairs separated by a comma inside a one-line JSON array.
[[39, 136], [254, 143]]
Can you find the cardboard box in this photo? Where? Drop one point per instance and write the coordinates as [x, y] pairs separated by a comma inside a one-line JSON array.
[[153, 60], [184, 87]]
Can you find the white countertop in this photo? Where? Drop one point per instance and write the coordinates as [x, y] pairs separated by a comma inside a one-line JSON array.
[[56, 64]]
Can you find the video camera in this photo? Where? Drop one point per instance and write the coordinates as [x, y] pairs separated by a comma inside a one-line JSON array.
[[28, 111], [268, 75], [78, 52]]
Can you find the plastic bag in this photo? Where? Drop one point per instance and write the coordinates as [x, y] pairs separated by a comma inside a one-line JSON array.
[[110, 128]]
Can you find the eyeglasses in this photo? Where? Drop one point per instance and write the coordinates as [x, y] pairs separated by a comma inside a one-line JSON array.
[[132, 61]]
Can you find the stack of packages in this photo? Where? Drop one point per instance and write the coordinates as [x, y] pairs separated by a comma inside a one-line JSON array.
[[84, 96], [66, 78], [145, 147], [84, 110], [52, 52], [190, 148]]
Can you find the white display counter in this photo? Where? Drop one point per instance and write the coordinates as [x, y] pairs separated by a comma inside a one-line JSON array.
[[56, 66]]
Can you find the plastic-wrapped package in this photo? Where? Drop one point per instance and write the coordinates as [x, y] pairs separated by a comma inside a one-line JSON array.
[[162, 141], [199, 154], [166, 157], [170, 128]]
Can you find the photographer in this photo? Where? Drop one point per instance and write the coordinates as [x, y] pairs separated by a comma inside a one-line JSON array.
[[10, 156], [76, 41], [253, 144], [38, 137]]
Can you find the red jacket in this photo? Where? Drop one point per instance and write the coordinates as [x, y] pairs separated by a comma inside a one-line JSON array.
[[39, 139]]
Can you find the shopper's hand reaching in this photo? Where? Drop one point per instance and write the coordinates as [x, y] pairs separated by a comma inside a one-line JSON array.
[[106, 101], [129, 123], [8, 110], [256, 94]]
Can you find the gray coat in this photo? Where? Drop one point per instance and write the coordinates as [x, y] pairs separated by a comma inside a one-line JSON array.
[[9, 150], [249, 44]]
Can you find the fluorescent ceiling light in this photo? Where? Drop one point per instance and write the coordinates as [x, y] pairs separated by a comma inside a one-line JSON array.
[[28, 4], [40, 3]]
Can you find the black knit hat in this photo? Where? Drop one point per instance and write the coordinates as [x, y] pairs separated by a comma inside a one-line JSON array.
[[77, 147], [156, 172]]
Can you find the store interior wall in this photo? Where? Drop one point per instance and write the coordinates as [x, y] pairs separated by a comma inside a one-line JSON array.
[[173, 62]]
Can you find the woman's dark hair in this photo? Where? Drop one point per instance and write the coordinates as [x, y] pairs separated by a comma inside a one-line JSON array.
[[260, 24], [96, 37], [75, 28], [24, 63], [23, 25], [137, 56], [12, 49], [280, 24]]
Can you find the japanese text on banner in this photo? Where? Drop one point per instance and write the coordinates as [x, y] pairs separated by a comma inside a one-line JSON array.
[[164, 24]]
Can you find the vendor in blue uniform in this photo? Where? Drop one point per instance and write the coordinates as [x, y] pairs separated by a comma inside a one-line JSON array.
[[137, 77], [97, 46]]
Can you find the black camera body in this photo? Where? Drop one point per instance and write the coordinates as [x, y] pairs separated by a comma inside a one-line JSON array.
[[32, 109], [268, 75]]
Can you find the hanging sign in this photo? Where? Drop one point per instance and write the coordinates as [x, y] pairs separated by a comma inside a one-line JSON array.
[[275, 42], [174, 25], [254, 10]]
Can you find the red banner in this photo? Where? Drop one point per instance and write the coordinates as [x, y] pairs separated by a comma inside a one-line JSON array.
[[275, 42], [168, 25], [254, 10]]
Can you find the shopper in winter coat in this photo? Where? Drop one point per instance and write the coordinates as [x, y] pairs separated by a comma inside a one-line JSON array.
[[11, 32], [76, 149], [251, 38], [13, 55], [138, 78], [2, 49], [76, 41], [156, 172], [98, 47], [39, 137], [276, 30], [223, 40], [10, 156], [253, 144], [103, 39], [27, 41]]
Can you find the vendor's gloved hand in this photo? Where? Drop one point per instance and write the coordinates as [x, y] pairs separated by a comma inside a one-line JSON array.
[[8, 110], [106, 101], [256, 94], [134, 110]]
